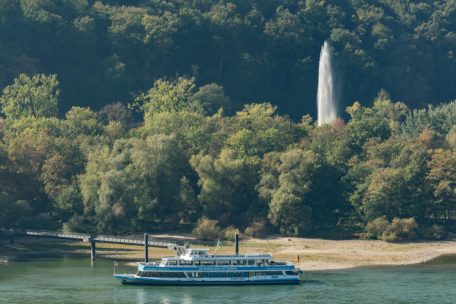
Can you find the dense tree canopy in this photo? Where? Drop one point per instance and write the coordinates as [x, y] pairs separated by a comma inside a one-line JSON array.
[[388, 169], [107, 51], [122, 116], [36, 96]]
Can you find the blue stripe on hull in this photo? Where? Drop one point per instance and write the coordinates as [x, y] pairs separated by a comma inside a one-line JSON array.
[[215, 268], [210, 283]]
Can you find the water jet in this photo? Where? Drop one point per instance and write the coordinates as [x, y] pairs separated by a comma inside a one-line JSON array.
[[327, 95]]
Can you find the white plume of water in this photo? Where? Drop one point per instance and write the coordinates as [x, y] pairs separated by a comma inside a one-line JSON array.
[[327, 95]]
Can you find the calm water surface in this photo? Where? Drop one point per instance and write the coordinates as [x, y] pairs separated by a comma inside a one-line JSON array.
[[77, 280]]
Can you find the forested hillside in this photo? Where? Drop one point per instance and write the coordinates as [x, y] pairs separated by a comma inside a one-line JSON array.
[[388, 170], [111, 50], [165, 115]]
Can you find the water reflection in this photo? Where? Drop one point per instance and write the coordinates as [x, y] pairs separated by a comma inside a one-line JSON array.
[[140, 296], [187, 300]]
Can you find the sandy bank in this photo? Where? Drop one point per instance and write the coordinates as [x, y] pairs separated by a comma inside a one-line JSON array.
[[318, 254], [314, 254]]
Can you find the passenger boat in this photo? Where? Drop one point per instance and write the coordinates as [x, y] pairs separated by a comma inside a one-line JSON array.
[[194, 266]]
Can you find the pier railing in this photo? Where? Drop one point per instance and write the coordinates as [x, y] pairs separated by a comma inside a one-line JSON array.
[[90, 238]]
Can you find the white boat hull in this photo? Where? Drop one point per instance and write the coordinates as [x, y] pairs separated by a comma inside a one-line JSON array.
[[128, 279]]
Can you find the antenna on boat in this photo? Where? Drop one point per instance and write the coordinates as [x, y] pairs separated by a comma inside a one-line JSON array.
[[216, 247], [115, 266]]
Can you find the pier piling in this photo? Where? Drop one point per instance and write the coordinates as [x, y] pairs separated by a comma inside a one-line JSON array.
[[146, 248], [92, 249], [236, 242]]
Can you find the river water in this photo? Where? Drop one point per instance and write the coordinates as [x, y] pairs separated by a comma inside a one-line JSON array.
[[78, 280]]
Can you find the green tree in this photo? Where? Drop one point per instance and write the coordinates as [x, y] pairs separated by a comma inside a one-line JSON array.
[[191, 129], [134, 185], [290, 204], [212, 98], [169, 96], [442, 179], [228, 187], [81, 122], [380, 121], [258, 130], [35, 96], [391, 180]]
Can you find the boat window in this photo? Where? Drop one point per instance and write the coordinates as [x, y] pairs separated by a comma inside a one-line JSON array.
[[207, 263], [167, 274], [197, 263], [171, 263], [239, 262], [251, 262], [185, 263], [224, 262], [221, 274], [271, 273]]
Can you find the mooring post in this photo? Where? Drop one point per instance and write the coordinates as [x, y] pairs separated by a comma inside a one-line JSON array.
[[92, 248], [146, 248], [236, 244]]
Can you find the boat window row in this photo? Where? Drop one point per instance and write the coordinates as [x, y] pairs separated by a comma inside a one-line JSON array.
[[161, 274], [218, 274], [231, 274], [221, 274], [217, 262], [267, 273]]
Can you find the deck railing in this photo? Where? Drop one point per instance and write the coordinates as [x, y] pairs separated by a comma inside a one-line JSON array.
[[90, 238]]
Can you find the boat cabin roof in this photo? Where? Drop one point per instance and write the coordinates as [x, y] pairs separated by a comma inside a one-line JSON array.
[[196, 254]]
